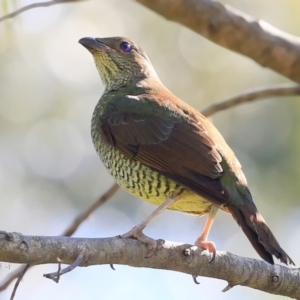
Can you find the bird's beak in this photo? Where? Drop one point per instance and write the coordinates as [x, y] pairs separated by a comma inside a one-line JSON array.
[[92, 44]]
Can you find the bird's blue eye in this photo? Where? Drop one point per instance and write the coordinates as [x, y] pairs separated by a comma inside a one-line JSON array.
[[125, 47]]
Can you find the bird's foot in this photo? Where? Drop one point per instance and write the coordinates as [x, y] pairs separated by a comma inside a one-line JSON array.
[[137, 233], [207, 245]]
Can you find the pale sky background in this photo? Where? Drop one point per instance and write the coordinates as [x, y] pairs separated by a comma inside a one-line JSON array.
[[49, 171]]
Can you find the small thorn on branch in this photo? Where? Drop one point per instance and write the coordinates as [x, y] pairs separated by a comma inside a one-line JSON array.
[[195, 279], [56, 275], [228, 287]]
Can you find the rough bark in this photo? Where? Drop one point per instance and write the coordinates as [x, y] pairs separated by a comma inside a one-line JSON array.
[[254, 273]]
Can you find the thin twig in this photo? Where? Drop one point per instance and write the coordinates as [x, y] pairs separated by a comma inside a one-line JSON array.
[[279, 91], [11, 277], [35, 5], [56, 275], [24, 270]]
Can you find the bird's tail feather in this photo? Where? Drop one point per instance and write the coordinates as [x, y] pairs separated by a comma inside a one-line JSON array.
[[258, 232]]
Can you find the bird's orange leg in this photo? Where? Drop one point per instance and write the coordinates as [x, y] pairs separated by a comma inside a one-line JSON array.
[[202, 241], [137, 231]]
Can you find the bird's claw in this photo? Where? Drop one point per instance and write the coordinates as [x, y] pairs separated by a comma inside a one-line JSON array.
[[137, 233], [209, 246]]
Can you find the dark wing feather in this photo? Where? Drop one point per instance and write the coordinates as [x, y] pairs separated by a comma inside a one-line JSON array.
[[174, 144]]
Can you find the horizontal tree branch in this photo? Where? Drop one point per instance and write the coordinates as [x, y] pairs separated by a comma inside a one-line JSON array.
[[236, 31], [254, 273]]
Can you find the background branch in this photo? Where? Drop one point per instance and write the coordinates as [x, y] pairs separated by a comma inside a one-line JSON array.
[[34, 5], [274, 279], [83, 216], [259, 94], [236, 31]]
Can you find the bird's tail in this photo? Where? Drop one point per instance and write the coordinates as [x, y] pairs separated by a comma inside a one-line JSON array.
[[258, 232]]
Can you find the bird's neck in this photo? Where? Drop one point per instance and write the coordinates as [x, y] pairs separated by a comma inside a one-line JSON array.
[[140, 78], [148, 85]]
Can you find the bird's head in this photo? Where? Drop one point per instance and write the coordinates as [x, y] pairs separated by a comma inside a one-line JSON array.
[[120, 61]]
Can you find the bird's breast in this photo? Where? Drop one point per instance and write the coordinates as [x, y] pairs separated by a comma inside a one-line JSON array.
[[145, 183]]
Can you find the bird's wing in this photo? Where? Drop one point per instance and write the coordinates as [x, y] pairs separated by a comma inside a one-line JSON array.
[[173, 141]]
